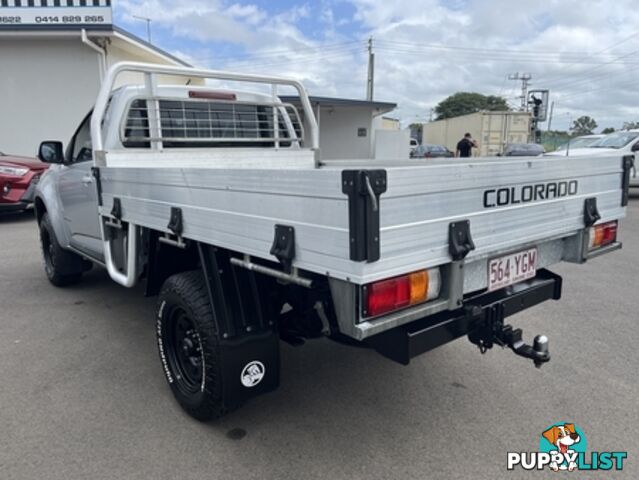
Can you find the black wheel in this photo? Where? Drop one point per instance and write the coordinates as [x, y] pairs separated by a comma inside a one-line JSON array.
[[188, 345], [61, 266]]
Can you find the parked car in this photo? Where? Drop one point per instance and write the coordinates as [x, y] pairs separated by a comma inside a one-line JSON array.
[[431, 151], [18, 178], [584, 141], [619, 143], [523, 150], [413, 145]]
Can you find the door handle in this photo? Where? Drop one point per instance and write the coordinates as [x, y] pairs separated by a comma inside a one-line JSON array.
[[87, 180]]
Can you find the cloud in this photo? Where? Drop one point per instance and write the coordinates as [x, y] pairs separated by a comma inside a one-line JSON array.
[[424, 50]]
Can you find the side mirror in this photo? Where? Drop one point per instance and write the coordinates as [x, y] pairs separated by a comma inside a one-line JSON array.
[[635, 147], [51, 152]]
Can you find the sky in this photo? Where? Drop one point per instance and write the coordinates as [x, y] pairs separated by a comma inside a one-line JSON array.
[[585, 53]]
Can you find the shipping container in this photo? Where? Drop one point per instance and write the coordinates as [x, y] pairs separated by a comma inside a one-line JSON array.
[[492, 130]]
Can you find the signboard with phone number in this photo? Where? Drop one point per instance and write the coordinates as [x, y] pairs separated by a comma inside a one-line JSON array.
[[30, 16]]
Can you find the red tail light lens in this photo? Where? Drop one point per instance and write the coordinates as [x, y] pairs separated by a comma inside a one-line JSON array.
[[399, 292], [387, 295], [602, 235], [212, 95]]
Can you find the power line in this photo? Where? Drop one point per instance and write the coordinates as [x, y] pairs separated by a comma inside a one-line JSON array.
[[474, 49], [282, 60], [541, 59], [308, 59], [584, 72], [283, 52], [596, 78], [500, 52], [610, 47], [607, 87]]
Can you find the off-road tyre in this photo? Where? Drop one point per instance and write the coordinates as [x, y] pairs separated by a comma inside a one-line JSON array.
[[188, 345]]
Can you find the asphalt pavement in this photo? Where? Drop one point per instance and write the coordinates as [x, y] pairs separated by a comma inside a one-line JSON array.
[[83, 396]]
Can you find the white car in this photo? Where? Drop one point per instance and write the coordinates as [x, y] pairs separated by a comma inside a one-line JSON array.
[[621, 143], [413, 145], [583, 141]]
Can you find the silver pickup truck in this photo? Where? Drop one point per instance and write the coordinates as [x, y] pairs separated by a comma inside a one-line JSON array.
[[219, 201]]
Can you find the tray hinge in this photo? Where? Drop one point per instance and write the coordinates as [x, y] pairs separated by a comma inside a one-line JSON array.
[[116, 210], [176, 224], [591, 214], [364, 187], [284, 246], [460, 242]]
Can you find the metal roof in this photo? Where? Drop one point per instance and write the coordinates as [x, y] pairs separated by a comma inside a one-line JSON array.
[[332, 101], [157, 49]]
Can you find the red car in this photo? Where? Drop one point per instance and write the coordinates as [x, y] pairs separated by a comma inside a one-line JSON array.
[[18, 178]]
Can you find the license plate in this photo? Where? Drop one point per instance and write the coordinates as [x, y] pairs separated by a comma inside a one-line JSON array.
[[513, 268]]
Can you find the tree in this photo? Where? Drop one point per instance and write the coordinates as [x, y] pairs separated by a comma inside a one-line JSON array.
[[608, 130], [462, 103], [630, 125], [583, 126]]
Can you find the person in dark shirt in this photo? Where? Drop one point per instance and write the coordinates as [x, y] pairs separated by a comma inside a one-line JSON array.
[[465, 146]]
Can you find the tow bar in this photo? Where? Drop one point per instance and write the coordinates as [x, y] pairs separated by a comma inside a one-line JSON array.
[[493, 331], [481, 318]]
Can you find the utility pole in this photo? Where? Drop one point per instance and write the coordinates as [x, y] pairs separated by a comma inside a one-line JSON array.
[[371, 71], [524, 78], [148, 26], [552, 107]]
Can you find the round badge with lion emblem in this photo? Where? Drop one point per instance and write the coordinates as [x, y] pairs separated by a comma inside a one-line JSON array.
[[252, 373]]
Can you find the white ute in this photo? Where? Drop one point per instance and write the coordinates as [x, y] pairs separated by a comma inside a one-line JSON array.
[[218, 201], [617, 143]]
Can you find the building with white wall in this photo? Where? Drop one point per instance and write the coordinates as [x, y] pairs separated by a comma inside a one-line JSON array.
[[383, 122], [52, 60], [346, 127]]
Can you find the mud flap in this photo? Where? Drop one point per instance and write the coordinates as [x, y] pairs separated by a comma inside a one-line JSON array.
[[250, 367]]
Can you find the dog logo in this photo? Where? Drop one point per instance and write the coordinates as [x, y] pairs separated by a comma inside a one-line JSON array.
[[563, 438], [562, 447], [252, 374]]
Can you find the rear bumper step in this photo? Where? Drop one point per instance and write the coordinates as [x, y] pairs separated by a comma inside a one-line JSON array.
[[407, 341]]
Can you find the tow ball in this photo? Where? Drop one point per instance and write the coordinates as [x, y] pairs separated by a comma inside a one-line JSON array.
[[492, 331]]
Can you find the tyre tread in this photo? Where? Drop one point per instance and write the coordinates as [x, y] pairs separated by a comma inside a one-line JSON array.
[[191, 289]]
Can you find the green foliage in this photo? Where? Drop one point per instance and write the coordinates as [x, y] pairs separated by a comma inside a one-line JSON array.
[[553, 139], [608, 130], [583, 126], [463, 103], [630, 125]]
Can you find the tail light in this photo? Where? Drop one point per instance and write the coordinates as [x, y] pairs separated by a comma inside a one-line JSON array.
[[396, 293], [212, 95], [602, 235]]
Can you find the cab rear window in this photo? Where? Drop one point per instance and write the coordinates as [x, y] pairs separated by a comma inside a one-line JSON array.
[[197, 123]]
